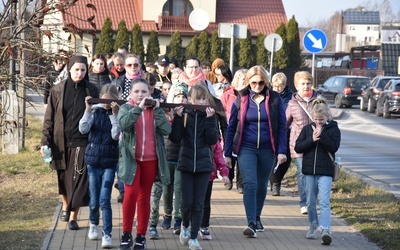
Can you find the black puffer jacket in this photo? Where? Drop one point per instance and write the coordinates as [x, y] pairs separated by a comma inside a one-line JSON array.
[[197, 138], [316, 160], [100, 79]]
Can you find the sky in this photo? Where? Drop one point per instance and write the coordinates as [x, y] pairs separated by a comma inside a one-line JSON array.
[[308, 12]]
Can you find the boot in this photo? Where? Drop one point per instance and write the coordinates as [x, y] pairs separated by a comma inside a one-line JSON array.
[[276, 189]]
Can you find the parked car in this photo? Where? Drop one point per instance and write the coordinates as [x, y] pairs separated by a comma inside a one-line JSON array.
[[389, 99], [369, 95], [343, 90]]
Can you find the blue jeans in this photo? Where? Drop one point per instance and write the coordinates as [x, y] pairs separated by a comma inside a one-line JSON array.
[[255, 167], [100, 186], [319, 184], [301, 181]]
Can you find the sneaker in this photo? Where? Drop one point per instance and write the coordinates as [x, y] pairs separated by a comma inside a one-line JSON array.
[[259, 226], [303, 210], [153, 234], [126, 242], [106, 241], [250, 231], [276, 189], [205, 233], [167, 222], [194, 244], [312, 232], [93, 232], [326, 237], [140, 242], [240, 190], [177, 227], [184, 235]]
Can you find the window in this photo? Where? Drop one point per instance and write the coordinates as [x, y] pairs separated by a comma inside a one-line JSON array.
[[368, 28], [177, 8]]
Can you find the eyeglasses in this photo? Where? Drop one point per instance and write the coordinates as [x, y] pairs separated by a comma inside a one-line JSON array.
[[260, 83], [132, 64]]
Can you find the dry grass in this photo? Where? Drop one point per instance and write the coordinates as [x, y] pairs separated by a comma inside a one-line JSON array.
[[372, 211], [28, 194]]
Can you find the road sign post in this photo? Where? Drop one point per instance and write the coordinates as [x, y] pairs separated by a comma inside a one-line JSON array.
[[314, 41], [272, 42], [232, 31]]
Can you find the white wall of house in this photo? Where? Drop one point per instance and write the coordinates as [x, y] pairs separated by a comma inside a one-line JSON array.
[[62, 40], [365, 34]]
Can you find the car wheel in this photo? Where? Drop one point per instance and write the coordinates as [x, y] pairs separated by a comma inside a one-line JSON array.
[[377, 110], [386, 112], [363, 107], [370, 106], [338, 101]]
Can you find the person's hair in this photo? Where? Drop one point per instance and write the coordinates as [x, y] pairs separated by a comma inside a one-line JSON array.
[[148, 64], [58, 59], [101, 57], [205, 64], [150, 78], [200, 89], [226, 72], [320, 106], [119, 56], [192, 58], [279, 78], [109, 56], [238, 74], [110, 89], [140, 80], [174, 61], [124, 47], [258, 70], [129, 55], [153, 66], [302, 75]]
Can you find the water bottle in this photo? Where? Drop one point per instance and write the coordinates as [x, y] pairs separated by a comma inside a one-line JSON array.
[[47, 154]]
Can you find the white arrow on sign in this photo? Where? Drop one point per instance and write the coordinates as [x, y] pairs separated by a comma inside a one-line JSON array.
[[316, 43]]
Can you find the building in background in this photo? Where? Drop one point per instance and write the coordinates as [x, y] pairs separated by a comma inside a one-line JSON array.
[[165, 17], [359, 28]]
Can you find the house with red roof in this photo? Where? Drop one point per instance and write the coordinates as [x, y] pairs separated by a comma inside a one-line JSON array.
[[76, 28]]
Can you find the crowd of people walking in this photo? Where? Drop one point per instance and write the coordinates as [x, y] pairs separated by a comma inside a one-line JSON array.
[[109, 119]]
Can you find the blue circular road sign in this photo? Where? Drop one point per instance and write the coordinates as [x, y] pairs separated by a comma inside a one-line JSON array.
[[315, 40]]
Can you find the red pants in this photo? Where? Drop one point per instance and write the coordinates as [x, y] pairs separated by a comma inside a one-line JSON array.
[[139, 193]]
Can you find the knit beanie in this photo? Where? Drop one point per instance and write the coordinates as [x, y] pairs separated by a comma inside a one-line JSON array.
[[181, 88]]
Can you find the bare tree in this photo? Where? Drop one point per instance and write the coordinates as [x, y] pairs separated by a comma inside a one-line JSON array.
[[23, 60]]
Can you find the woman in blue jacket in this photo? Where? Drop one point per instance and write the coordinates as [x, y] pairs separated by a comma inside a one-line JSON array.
[[256, 134]]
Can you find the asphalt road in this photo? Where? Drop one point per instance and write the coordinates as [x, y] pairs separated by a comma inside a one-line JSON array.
[[370, 148]]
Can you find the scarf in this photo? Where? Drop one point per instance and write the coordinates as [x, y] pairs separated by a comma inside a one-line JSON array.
[[127, 76], [192, 81]]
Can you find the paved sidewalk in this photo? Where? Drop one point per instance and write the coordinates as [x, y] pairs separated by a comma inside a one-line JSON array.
[[285, 227]]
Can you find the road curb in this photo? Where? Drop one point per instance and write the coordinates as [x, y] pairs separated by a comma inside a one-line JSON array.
[[47, 239]]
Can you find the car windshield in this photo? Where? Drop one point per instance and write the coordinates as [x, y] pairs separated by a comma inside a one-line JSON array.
[[397, 87], [357, 82]]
